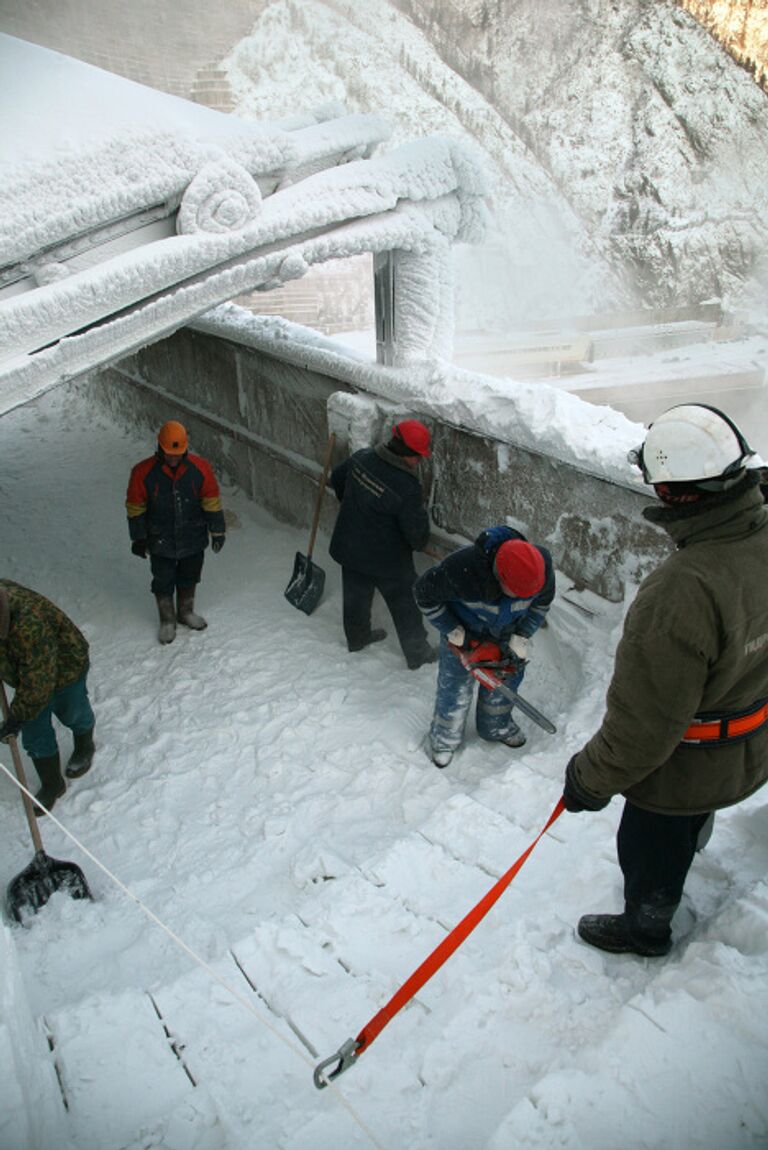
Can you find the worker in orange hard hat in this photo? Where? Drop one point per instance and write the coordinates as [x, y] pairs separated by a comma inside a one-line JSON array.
[[382, 521], [174, 507], [172, 438]]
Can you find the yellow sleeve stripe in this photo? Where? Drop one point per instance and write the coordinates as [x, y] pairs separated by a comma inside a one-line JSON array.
[[135, 509], [211, 503]]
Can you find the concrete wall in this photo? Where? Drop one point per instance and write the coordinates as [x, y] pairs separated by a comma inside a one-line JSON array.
[[262, 422], [265, 423]]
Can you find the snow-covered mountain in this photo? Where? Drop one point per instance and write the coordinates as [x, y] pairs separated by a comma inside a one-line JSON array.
[[628, 151]]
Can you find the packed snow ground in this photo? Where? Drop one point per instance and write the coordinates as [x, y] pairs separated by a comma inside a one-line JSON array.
[[267, 795]]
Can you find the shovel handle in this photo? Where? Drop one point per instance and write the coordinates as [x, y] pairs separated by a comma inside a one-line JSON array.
[[34, 830], [321, 492]]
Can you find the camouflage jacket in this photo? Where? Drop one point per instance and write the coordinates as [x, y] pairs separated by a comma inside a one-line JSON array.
[[40, 648]]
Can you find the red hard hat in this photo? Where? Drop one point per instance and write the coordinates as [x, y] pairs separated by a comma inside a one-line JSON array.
[[519, 568], [414, 435], [172, 437]]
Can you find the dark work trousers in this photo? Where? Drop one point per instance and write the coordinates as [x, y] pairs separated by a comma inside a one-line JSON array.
[[655, 854], [170, 574], [398, 595]]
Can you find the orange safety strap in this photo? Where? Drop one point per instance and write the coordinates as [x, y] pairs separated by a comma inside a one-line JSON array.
[[720, 730], [349, 1051], [445, 949]]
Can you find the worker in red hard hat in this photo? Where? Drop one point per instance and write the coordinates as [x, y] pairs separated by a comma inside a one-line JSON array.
[[497, 592], [381, 522]]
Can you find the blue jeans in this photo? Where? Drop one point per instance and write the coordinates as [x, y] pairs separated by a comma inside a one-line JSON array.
[[455, 686], [71, 707]]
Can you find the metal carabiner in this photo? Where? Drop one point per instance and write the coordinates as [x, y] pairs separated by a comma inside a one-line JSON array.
[[345, 1056]]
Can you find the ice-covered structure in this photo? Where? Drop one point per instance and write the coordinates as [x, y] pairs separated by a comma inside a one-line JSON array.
[[127, 212], [130, 218]]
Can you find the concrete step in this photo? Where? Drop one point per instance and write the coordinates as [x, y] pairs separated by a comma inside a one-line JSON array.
[[198, 1060]]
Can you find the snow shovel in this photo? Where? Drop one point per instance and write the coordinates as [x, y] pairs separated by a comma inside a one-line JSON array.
[[31, 889], [305, 588]]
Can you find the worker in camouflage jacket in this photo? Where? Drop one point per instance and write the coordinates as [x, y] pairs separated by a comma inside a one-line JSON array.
[[174, 505], [382, 521], [44, 657], [499, 590], [685, 730]]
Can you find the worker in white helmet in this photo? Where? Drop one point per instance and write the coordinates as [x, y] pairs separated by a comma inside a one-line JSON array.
[[685, 730]]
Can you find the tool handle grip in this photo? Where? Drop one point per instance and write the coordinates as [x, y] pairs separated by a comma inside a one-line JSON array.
[[321, 492], [34, 830]]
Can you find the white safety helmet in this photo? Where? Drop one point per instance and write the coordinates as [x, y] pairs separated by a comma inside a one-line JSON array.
[[693, 443]]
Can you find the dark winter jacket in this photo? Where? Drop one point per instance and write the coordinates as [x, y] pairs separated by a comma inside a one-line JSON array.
[[463, 591], [382, 519], [41, 649], [174, 508], [695, 643]]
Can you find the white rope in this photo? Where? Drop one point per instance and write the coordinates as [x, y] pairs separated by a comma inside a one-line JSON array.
[[197, 959]]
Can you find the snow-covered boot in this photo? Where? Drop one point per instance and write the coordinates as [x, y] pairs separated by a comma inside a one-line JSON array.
[[442, 758], [622, 934], [376, 635], [82, 756], [49, 770], [185, 609], [513, 736], [167, 632]]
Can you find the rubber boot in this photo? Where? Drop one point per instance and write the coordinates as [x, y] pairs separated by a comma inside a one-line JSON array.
[[81, 758], [427, 654], [49, 770], [167, 632], [185, 609], [645, 931], [513, 736], [376, 636]]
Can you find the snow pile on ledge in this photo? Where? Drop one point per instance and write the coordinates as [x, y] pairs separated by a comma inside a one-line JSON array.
[[536, 416]]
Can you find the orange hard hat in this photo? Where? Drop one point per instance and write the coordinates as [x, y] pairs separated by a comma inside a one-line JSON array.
[[172, 437]]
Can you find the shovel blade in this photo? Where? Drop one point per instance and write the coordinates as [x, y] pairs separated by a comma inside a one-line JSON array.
[[30, 890], [306, 585]]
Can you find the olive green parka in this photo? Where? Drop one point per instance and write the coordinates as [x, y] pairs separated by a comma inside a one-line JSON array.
[[695, 641], [41, 649]]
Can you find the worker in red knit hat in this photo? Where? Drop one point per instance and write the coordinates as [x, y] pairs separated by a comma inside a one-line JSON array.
[[497, 592], [382, 521]]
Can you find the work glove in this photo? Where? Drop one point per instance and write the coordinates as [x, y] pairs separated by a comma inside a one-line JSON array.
[[457, 636], [575, 797], [10, 728], [520, 648], [217, 542], [139, 547]]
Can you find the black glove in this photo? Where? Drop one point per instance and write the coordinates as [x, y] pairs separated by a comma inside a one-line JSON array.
[[10, 728], [575, 797], [139, 547], [217, 542]]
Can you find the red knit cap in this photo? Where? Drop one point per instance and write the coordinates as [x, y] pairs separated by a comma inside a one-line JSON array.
[[519, 567], [414, 434]]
